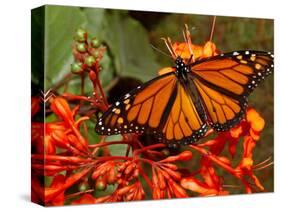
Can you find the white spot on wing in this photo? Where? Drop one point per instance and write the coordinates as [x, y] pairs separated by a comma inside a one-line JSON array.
[[127, 95]]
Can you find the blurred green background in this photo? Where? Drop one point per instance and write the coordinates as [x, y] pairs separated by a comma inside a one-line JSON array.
[[128, 35]]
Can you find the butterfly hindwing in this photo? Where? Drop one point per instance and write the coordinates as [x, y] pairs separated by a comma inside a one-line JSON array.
[[184, 123], [225, 81]]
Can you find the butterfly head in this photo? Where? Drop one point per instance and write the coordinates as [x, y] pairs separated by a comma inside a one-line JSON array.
[[179, 61], [181, 67]]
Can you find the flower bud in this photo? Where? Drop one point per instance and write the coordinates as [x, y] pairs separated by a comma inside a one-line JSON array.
[[96, 54], [61, 108], [111, 178], [83, 186], [81, 35], [100, 184], [81, 47], [90, 61], [92, 75], [95, 43], [76, 67], [166, 152]]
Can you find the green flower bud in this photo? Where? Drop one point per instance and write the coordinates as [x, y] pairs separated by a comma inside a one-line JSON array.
[[90, 60], [83, 187], [96, 54], [95, 43], [81, 47], [76, 67], [100, 185], [81, 35], [166, 152]]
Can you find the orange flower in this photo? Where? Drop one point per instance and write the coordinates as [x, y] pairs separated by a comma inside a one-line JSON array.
[[131, 192], [186, 50], [85, 199], [105, 173], [256, 123], [246, 166], [35, 105], [63, 134], [60, 184], [211, 185], [165, 182], [127, 193], [42, 139]]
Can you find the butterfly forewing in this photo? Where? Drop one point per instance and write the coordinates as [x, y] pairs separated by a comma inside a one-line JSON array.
[[140, 109], [224, 82]]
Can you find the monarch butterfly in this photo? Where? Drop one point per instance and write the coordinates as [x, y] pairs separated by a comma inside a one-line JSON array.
[[180, 105]]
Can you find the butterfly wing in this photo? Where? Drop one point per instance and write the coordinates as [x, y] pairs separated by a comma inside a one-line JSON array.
[[185, 122], [225, 81], [161, 107]]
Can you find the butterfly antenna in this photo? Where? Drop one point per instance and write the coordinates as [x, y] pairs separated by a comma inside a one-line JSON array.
[[213, 28], [189, 60], [160, 51], [187, 38], [169, 45]]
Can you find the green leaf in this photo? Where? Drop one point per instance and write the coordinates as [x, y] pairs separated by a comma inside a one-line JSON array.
[[116, 149], [61, 23], [95, 21], [129, 44], [37, 53]]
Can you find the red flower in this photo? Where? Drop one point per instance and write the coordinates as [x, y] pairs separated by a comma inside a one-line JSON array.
[[166, 178], [35, 105], [85, 199], [211, 184]]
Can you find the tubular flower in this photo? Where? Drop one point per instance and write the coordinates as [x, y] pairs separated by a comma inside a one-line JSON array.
[[166, 178], [35, 105], [62, 134], [85, 199], [105, 173], [131, 192], [127, 193], [184, 50], [165, 183], [211, 185], [127, 171], [246, 166]]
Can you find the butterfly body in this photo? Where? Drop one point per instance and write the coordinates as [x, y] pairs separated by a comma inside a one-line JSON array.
[[180, 106]]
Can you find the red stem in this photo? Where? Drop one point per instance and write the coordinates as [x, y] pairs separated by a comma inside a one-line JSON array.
[[216, 160], [146, 178], [101, 91], [108, 143], [154, 146]]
